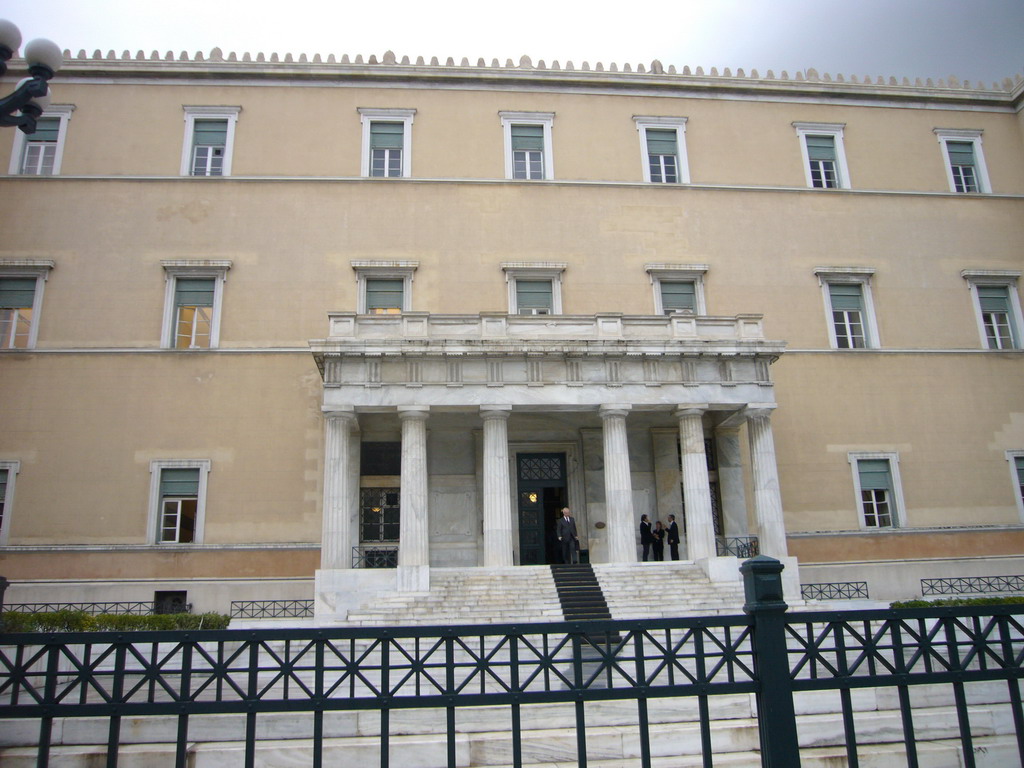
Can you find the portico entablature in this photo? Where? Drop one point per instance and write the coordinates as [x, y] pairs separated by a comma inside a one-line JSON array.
[[560, 362]]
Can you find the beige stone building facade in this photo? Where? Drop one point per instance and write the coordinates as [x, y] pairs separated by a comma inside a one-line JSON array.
[[268, 325]]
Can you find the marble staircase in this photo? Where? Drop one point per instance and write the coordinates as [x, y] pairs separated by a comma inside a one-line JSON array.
[[666, 590]]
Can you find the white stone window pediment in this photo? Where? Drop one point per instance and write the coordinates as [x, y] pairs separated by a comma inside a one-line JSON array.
[[370, 115], [12, 468], [154, 511], [193, 113], [999, 278], [898, 513], [60, 111], [849, 275], [384, 269], [544, 119], [973, 137], [678, 124], [39, 270], [835, 131]]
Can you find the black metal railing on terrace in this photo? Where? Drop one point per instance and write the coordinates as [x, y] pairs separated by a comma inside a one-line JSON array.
[[375, 556], [271, 609], [98, 609], [739, 546], [583, 666], [973, 585], [842, 590]]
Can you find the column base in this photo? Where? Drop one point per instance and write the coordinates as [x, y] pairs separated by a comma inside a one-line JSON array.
[[338, 591], [413, 578]]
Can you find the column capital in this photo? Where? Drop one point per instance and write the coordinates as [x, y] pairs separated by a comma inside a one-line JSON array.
[[413, 412], [753, 410], [341, 413], [615, 409], [696, 409], [502, 412]]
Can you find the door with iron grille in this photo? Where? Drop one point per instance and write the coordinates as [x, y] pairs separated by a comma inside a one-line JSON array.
[[542, 493]]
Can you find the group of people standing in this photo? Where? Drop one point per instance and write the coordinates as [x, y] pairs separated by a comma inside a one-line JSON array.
[[654, 537]]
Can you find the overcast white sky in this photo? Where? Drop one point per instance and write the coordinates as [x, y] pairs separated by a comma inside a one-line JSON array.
[[971, 39]]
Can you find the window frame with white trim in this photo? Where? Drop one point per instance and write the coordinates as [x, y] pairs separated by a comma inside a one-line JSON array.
[[208, 114], [894, 500], [958, 183], [662, 275], [840, 170], [849, 276], [157, 516], [546, 121], [37, 270], [981, 281], [677, 125], [9, 470], [538, 272], [24, 143], [370, 115], [176, 270], [368, 271], [1016, 461]]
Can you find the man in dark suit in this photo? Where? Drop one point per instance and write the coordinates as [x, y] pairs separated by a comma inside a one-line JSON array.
[[567, 537], [646, 537], [673, 537]]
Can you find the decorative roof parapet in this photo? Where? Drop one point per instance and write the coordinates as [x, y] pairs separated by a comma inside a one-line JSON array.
[[82, 63]]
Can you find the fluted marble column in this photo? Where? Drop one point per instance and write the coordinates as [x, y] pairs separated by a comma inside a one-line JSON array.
[[765, 474], [336, 537], [414, 547], [618, 485], [700, 525], [497, 491]]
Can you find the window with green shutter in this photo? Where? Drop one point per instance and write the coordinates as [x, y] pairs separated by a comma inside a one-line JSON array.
[[1018, 462], [527, 151], [534, 297], [193, 303], [17, 297], [821, 154], [179, 502], [678, 296], [997, 316], [847, 305], [386, 144], [963, 165], [41, 147], [209, 139], [3, 495], [662, 155], [384, 296], [876, 490]]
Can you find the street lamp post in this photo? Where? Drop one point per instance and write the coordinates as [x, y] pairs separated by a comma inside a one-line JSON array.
[[32, 95]]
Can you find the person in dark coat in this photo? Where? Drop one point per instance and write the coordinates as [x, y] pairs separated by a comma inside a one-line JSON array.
[[659, 540], [673, 537], [646, 537], [565, 529]]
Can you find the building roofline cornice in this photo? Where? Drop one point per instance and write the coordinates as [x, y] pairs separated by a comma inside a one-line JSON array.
[[654, 77]]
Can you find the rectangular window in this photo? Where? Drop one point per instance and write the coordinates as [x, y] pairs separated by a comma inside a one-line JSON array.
[[678, 296], [1018, 468], [17, 300], [3, 497], [8, 473], [997, 316], [386, 142], [527, 151], [824, 153], [179, 505], [821, 156], [962, 166], [876, 492], [209, 144], [193, 307], [40, 153], [847, 302], [662, 155], [534, 297], [384, 296]]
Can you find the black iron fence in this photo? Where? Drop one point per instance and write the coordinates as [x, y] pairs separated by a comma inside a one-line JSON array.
[[841, 590], [271, 609], [973, 585], [375, 556], [738, 546], [457, 670], [100, 609]]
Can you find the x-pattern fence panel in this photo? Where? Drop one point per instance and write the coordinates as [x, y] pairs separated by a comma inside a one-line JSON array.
[[185, 674]]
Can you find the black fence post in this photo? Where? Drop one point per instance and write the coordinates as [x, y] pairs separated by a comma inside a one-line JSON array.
[[3, 588], [776, 716]]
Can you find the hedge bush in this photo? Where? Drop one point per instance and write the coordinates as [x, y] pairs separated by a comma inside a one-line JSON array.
[[958, 601], [80, 621]]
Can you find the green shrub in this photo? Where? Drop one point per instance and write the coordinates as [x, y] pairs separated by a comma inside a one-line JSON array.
[[79, 621], [958, 601]]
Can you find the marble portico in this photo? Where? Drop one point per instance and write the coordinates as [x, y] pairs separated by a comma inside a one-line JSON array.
[[629, 401]]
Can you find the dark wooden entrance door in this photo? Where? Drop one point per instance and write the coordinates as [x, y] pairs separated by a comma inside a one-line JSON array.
[[542, 494]]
